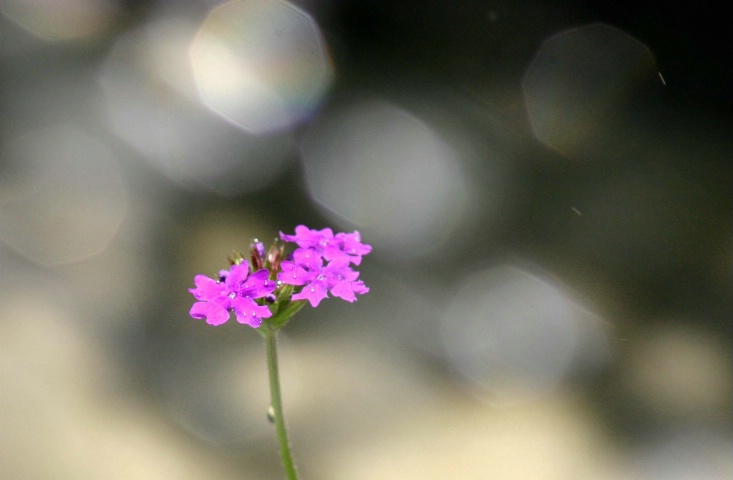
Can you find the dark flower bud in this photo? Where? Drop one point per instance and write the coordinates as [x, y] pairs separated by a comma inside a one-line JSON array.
[[257, 254], [275, 256]]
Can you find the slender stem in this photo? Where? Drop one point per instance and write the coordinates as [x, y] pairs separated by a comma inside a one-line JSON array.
[[277, 405]]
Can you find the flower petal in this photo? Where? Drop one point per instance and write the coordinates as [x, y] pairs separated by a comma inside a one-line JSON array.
[[209, 290], [308, 258], [346, 290], [258, 285], [306, 238], [313, 292], [293, 274], [213, 313], [249, 312], [237, 276]]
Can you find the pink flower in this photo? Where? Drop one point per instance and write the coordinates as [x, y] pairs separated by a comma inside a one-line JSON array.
[[235, 291], [336, 277], [321, 265], [329, 246]]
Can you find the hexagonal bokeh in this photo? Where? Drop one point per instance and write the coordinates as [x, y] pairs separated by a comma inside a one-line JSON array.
[[388, 173], [521, 334], [151, 103], [579, 82], [261, 64], [62, 196]]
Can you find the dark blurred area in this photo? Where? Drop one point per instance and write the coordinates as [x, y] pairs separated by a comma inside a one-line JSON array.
[[546, 187]]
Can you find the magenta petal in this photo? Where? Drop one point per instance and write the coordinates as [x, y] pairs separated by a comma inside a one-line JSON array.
[[213, 313], [302, 231], [237, 276], [308, 258], [351, 244], [347, 290], [337, 264], [306, 238], [306, 235], [359, 287], [253, 322], [314, 293], [258, 276], [250, 313], [293, 274], [258, 285], [332, 251], [207, 289], [343, 290], [344, 294]]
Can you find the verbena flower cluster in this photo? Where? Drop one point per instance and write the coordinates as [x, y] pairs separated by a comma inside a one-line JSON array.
[[320, 264]]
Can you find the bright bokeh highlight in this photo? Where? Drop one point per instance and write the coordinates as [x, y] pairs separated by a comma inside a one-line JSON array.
[[150, 102], [260, 64], [513, 335], [377, 166]]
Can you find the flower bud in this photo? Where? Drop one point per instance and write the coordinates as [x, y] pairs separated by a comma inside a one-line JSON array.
[[256, 255]]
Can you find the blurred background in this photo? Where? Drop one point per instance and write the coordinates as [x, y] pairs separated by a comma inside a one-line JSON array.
[[546, 186]]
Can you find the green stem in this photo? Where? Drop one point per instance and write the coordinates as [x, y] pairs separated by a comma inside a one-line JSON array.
[[277, 404]]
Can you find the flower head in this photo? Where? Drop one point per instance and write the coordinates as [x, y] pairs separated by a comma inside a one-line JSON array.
[[320, 265], [331, 246], [307, 270], [235, 291]]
